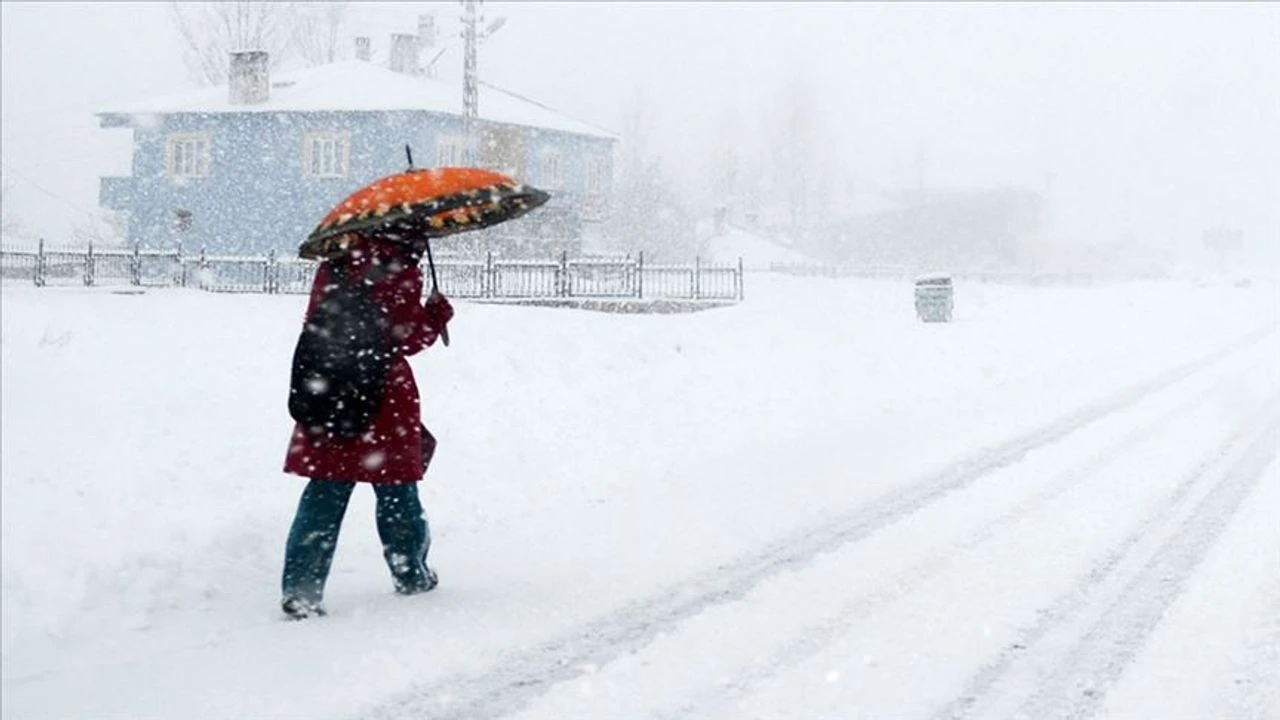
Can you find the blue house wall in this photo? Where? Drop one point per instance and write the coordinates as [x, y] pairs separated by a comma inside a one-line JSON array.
[[256, 197]]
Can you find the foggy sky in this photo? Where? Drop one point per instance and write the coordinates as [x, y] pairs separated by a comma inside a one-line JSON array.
[[1158, 119]]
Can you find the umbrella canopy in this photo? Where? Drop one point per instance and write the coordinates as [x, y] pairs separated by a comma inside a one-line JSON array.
[[423, 203]]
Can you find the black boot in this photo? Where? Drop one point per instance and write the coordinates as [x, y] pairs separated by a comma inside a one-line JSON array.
[[298, 609], [428, 583]]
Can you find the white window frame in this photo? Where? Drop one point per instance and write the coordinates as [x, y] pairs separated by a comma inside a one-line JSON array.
[[551, 169], [597, 175], [451, 151], [326, 154], [188, 155]]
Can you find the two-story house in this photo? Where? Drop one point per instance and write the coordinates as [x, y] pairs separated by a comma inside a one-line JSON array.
[[254, 165]]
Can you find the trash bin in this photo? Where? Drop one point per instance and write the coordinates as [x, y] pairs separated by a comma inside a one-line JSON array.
[[934, 298]]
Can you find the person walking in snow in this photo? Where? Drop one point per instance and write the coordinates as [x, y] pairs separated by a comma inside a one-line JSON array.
[[388, 453]]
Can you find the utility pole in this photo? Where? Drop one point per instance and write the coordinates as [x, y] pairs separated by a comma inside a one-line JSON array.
[[472, 37], [470, 81]]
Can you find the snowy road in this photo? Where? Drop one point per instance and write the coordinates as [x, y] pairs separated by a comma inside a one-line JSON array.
[[1021, 583], [747, 513]]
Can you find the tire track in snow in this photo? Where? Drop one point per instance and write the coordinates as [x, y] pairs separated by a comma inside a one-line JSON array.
[[521, 676], [818, 637], [1111, 644], [1125, 603], [1255, 690]]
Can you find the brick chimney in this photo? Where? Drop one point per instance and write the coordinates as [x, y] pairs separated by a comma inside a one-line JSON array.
[[364, 49], [427, 31], [250, 77], [404, 54]]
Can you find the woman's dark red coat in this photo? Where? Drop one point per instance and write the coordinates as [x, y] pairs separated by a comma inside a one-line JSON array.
[[390, 451]]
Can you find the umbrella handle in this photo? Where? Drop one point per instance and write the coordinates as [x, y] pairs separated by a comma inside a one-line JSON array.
[[435, 288]]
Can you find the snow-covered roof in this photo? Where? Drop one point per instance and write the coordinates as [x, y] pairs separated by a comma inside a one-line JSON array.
[[756, 252], [364, 86]]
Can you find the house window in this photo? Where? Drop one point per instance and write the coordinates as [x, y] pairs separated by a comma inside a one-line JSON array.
[[187, 155], [447, 152], [326, 154], [597, 176], [550, 173], [452, 152]]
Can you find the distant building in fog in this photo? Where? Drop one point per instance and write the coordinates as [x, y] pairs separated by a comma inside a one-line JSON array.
[[939, 229]]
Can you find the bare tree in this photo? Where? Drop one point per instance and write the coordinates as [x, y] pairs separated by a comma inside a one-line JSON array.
[[212, 30], [317, 28], [799, 167], [647, 214], [736, 164], [724, 163]]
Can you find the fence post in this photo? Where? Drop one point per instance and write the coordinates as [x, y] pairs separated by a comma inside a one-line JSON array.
[[268, 272], [640, 274], [202, 272], [697, 277], [565, 282], [39, 276], [88, 265], [135, 264], [488, 278], [741, 279], [179, 271]]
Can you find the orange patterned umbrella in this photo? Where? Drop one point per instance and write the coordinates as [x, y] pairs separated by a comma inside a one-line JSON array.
[[421, 204]]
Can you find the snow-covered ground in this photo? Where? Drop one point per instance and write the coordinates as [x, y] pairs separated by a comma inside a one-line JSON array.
[[810, 505]]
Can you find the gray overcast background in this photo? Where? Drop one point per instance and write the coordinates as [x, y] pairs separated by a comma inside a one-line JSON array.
[[1159, 119]]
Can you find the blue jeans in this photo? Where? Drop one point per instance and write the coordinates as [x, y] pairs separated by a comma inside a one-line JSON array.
[[402, 527]]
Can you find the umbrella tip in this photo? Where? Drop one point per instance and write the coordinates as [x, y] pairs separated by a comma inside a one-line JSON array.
[[537, 197], [408, 153]]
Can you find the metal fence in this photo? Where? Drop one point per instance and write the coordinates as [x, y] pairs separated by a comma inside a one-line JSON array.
[[90, 266], [1006, 276], [561, 277]]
